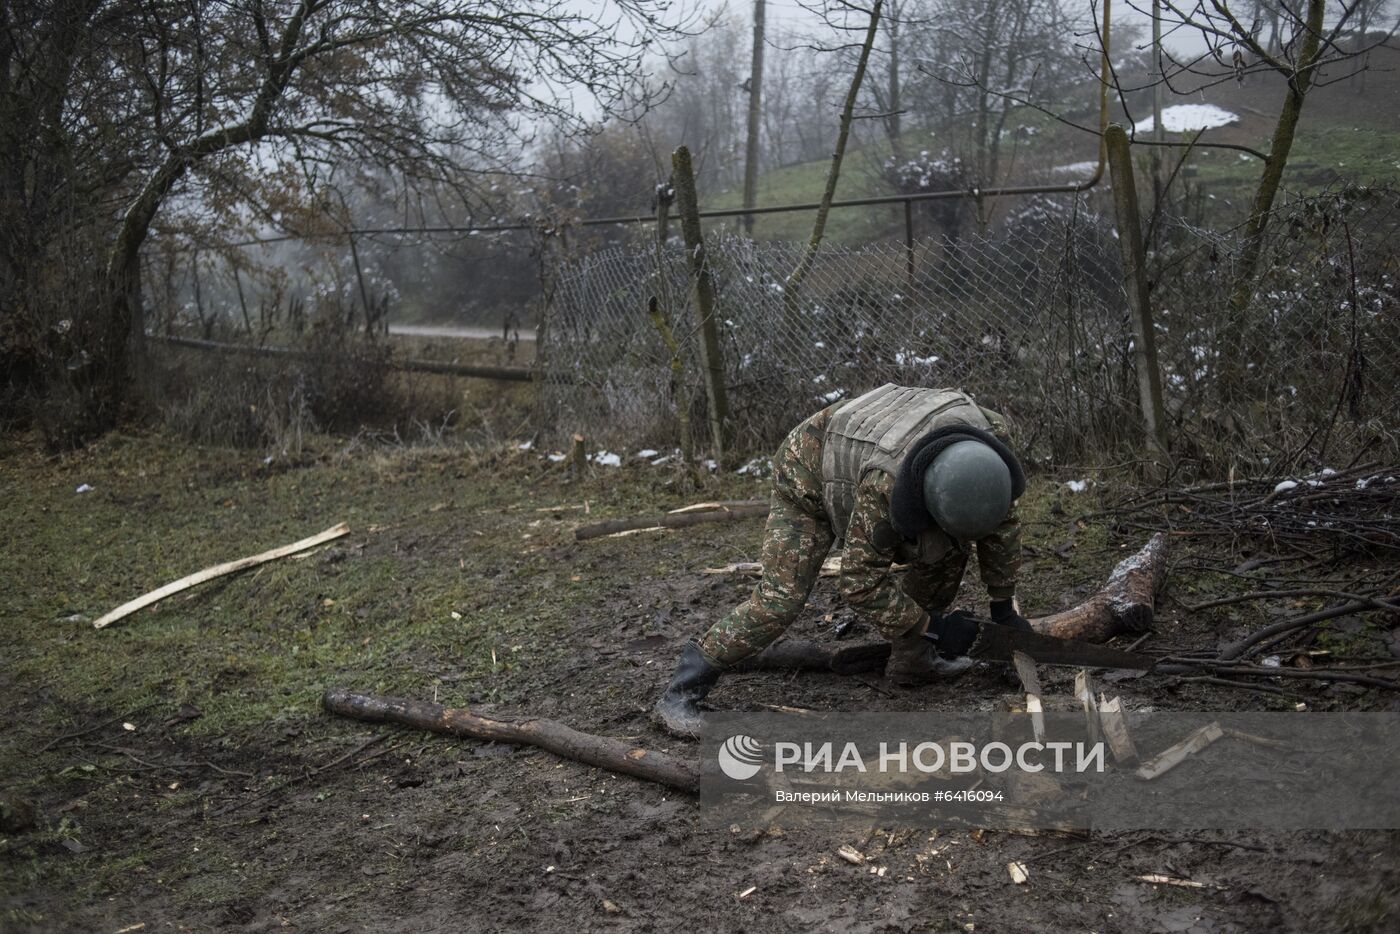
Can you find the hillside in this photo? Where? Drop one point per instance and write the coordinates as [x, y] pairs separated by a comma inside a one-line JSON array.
[[1350, 131]]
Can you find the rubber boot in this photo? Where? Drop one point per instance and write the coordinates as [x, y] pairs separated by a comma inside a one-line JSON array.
[[914, 660], [678, 710]]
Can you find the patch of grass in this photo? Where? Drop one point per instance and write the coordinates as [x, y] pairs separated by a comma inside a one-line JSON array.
[[803, 183], [1321, 158], [434, 533]]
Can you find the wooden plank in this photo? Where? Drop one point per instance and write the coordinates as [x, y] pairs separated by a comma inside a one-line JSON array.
[[219, 570]]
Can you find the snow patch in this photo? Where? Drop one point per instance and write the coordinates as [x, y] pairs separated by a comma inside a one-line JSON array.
[[1180, 118], [1077, 486], [83, 488], [758, 467]]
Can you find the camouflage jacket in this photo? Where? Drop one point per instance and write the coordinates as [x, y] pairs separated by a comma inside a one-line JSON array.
[[867, 581]]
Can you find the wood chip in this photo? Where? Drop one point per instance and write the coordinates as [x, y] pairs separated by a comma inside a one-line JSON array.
[[1173, 756], [1037, 713], [1018, 872], [1158, 879], [1084, 691], [851, 855], [1115, 731]]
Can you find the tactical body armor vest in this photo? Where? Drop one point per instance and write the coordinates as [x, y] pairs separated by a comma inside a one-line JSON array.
[[875, 432]]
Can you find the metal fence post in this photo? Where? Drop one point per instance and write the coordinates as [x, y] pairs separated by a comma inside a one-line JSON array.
[[710, 360], [1149, 375], [909, 240]]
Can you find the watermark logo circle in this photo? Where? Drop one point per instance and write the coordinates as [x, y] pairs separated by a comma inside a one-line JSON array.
[[740, 757]]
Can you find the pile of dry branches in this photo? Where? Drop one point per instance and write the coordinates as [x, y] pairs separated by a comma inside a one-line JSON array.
[[1324, 516], [1331, 535]]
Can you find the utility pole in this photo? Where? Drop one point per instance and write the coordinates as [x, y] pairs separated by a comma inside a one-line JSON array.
[[755, 112]]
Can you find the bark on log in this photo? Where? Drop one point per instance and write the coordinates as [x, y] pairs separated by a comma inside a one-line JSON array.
[[549, 735], [1123, 605], [672, 520]]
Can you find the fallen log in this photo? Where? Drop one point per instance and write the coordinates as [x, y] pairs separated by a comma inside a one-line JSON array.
[[549, 735], [673, 520], [219, 570], [1124, 605]]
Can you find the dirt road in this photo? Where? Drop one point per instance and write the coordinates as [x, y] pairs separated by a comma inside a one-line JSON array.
[[454, 331]]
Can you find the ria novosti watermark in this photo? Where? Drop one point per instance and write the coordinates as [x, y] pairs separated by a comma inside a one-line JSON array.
[[993, 769], [740, 757]]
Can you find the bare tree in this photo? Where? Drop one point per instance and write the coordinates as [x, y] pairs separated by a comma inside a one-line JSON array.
[[987, 58], [232, 104], [1310, 53]]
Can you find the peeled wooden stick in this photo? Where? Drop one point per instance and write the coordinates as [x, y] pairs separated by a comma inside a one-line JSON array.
[[549, 735], [672, 520], [219, 570]]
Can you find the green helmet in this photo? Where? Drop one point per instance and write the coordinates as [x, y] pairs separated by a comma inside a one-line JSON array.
[[967, 489]]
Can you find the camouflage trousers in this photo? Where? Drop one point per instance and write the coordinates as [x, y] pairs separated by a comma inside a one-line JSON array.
[[795, 542]]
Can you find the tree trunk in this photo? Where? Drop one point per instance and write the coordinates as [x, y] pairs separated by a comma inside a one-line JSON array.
[[804, 265], [1284, 130], [751, 149], [893, 125]]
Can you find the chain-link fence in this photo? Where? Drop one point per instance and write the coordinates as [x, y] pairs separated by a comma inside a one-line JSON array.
[[1029, 315], [1308, 367]]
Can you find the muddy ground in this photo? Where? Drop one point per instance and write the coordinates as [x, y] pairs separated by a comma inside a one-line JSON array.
[[184, 778]]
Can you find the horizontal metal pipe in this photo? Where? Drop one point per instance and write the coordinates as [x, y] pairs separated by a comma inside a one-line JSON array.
[[1068, 188], [511, 373]]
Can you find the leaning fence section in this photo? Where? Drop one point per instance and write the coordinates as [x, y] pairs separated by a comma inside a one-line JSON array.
[[1029, 314]]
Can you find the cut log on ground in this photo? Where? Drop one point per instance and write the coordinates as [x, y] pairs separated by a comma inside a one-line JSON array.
[[549, 735], [1124, 605], [673, 520], [219, 570]]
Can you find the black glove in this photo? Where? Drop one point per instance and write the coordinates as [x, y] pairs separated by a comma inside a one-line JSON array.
[[1004, 614], [953, 632]]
